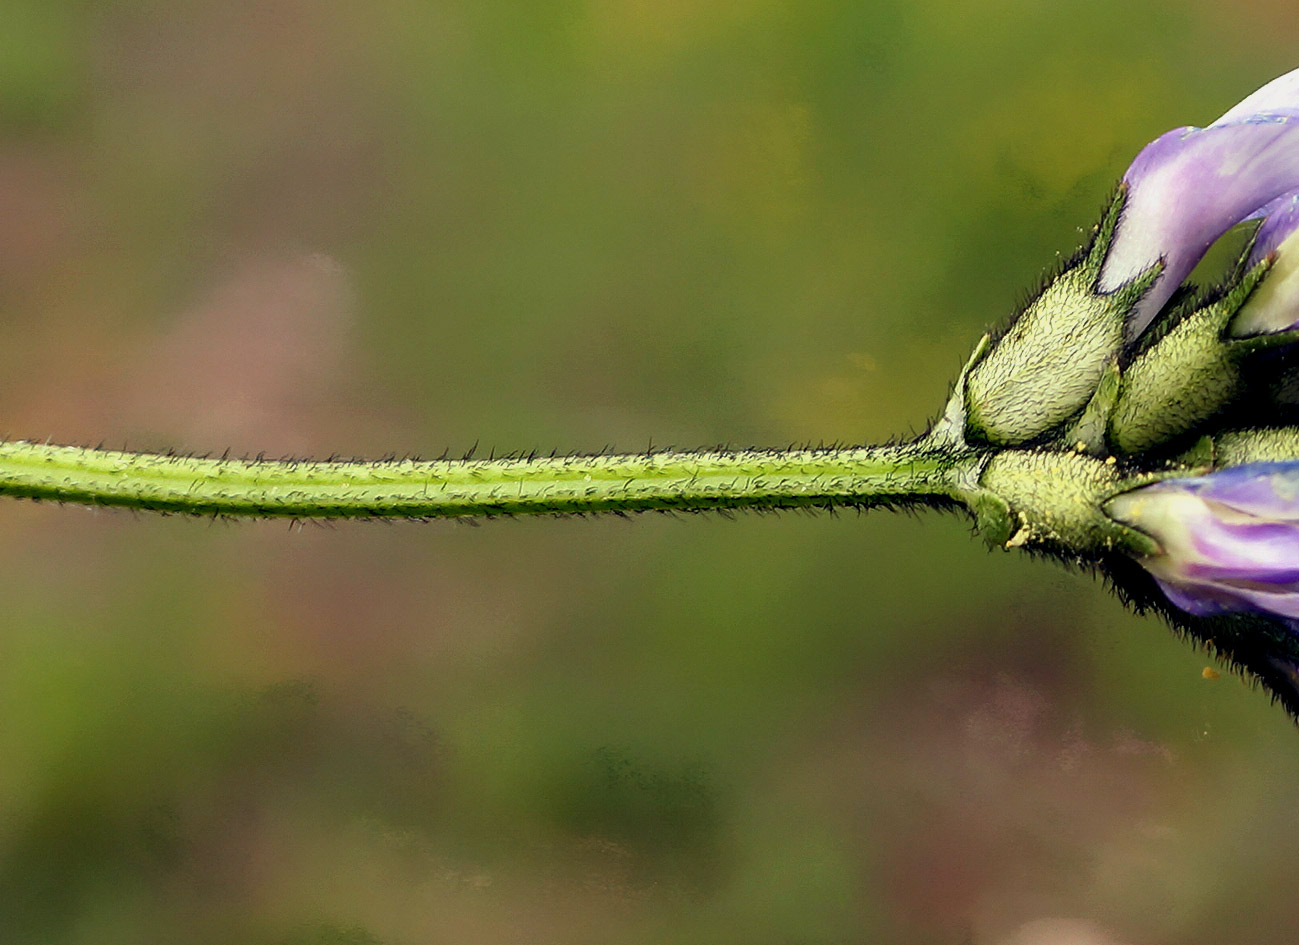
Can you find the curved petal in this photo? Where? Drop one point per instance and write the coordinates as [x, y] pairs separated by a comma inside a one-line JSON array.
[[1280, 220], [1210, 600], [1260, 554], [1186, 189], [1278, 96], [1274, 306], [1230, 540], [1199, 601], [1267, 491]]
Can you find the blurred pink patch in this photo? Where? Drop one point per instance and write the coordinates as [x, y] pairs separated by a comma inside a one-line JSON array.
[[1061, 932], [38, 204], [1011, 808], [255, 363]]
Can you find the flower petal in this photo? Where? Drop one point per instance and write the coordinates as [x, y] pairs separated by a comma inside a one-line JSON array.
[[1268, 491], [1191, 185], [1230, 539], [1278, 96], [1274, 306], [1186, 189], [1280, 220], [1210, 600]]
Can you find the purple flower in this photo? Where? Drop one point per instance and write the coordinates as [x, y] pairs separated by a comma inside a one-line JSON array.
[[1190, 185], [1229, 539]]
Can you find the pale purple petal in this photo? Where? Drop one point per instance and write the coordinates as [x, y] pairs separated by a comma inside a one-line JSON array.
[[1243, 599], [1264, 554], [1280, 220], [1199, 602], [1274, 305], [1229, 540], [1190, 186], [1279, 95], [1198, 605], [1266, 491]]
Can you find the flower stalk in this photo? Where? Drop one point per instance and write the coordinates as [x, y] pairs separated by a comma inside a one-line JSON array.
[[857, 477], [1126, 420]]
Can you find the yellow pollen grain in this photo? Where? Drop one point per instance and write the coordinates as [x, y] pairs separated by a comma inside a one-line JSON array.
[[1020, 538], [1209, 673]]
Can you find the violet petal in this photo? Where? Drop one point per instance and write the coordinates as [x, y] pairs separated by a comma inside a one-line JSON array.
[[1187, 188]]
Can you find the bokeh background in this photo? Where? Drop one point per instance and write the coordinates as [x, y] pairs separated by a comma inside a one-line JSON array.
[[311, 227]]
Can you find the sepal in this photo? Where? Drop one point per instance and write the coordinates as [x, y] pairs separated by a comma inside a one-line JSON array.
[[949, 429], [1272, 445], [1088, 432], [1057, 500], [994, 521], [1188, 375], [1046, 367]]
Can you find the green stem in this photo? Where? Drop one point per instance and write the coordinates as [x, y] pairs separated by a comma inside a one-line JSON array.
[[682, 481]]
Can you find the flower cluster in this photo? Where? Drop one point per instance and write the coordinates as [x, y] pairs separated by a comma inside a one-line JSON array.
[[1229, 540], [1128, 413]]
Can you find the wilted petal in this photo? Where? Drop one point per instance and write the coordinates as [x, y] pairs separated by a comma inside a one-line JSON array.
[[1191, 185], [1230, 540]]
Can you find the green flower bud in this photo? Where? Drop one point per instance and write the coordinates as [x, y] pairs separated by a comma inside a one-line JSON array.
[[1045, 369], [1187, 376], [1047, 366], [1238, 447]]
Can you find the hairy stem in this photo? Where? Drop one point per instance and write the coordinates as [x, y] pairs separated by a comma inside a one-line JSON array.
[[682, 481]]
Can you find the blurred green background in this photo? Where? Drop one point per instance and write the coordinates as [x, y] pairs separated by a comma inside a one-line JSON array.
[[311, 227]]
